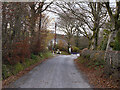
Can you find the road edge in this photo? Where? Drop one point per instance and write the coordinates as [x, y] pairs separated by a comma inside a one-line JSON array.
[[13, 78]]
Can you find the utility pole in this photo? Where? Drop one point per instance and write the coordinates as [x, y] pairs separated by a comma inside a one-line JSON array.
[[55, 37]]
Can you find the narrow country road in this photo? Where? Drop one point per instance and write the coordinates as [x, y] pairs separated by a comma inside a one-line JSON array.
[[58, 72]]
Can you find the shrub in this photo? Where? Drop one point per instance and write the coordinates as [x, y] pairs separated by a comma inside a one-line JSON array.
[[33, 57], [5, 72], [75, 49], [19, 51], [64, 53], [41, 55]]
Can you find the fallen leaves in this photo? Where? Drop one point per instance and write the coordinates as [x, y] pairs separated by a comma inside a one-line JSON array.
[[96, 77]]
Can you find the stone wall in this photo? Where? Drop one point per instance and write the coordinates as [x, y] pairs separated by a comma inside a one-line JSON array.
[[96, 55], [112, 67], [111, 58]]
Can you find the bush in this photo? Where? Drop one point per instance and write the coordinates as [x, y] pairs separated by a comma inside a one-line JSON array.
[[19, 51], [33, 57], [41, 55], [5, 72], [64, 53], [75, 49]]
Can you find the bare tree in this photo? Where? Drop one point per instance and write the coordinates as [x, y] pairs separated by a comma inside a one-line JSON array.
[[18, 28], [67, 25], [91, 17]]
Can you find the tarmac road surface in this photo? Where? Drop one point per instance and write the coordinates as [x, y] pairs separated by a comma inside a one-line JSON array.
[[57, 72]]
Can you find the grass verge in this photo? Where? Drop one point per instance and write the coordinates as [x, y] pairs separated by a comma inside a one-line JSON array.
[[11, 73]]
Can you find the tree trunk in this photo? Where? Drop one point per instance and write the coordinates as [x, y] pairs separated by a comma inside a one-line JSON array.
[[68, 46], [111, 41], [40, 24], [94, 40]]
